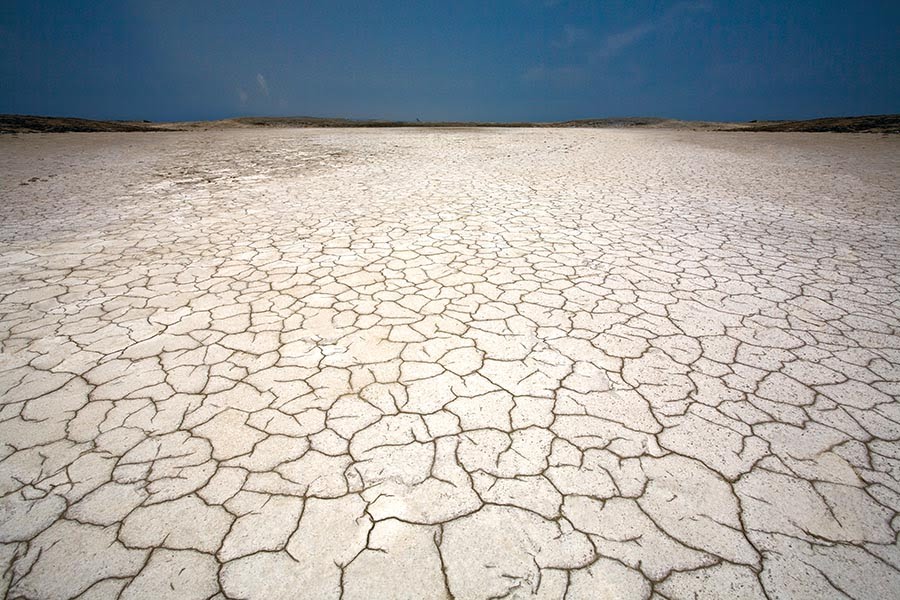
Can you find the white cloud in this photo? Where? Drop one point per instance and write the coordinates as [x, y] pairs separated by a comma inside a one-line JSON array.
[[616, 42], [243, 96], [586, 52], [263, 86]]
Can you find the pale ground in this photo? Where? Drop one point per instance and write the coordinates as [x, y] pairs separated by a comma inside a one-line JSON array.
[[471, 363]]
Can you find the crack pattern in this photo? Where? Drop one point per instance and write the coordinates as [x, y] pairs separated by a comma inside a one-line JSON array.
[[449, 364]]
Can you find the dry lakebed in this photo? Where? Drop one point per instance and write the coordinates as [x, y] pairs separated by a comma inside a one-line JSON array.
[[449, 363]]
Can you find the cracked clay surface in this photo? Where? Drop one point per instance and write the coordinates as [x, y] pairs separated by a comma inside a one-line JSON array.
[[449, 364]]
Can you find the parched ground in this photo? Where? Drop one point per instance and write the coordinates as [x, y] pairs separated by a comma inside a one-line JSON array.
[[449, 363]]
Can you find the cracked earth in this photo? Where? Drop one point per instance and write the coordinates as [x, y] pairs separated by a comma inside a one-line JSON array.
[[449, 364]]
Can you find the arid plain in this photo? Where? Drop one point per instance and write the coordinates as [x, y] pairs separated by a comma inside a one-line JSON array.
[[449, 363]]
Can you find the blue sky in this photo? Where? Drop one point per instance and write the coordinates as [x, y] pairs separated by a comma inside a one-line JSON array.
[[445, 60]]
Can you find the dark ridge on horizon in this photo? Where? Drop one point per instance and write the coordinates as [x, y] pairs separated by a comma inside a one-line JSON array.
[[12, 124], [861, 124]]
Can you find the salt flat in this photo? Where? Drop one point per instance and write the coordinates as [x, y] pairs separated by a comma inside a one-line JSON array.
[[409, 363]]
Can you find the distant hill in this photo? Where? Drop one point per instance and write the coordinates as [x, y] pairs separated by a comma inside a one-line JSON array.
[[30, 124], [338, 122], [37, 124], [866, 124]]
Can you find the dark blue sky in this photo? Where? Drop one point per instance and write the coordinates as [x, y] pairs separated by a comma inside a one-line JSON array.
[[438, 60]]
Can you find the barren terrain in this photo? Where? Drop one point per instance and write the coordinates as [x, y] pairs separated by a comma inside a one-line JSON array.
[[434, 363], [14, 124]]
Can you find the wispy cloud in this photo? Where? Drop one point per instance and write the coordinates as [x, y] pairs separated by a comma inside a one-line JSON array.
[[263, 86], [587, 52], [243, 96], [618, 41]]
